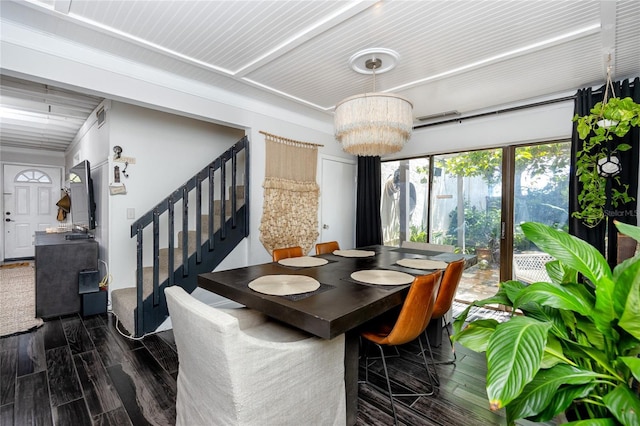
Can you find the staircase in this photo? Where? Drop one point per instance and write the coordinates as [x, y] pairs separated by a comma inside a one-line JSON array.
[[203, 239]]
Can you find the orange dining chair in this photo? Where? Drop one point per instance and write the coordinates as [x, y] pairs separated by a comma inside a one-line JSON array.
[[328, 247], [444, 300], [286, 252], [407, 326]]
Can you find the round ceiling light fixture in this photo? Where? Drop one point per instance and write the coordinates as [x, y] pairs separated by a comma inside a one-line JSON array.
[[386, 57]]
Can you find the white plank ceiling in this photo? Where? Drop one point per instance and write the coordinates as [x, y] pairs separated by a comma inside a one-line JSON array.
[[454, 55]]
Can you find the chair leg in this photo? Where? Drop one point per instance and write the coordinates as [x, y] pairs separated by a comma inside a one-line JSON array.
[[449, 361], [395, 355], [365, 351], [386, 375], [453, 360], [434, 379], [388, 379]]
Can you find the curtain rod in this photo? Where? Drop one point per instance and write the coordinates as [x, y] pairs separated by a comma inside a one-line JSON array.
[[500, 111]]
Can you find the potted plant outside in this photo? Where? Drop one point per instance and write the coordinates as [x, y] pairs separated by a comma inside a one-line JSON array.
[[572, 343], [596, 162]]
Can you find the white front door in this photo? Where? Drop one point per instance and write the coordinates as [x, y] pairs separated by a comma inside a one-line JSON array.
[[30, 197], [338, 202]]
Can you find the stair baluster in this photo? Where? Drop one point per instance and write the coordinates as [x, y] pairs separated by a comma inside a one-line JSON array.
[[148, 304], [171, 238], [198, 220], [211, 209], [156, 257], [223, 196], [185, 231]]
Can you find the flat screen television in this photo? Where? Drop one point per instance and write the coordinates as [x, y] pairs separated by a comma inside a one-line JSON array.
[[83, 206]]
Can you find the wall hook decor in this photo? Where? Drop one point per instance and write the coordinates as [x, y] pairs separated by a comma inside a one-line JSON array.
[[117, 187]]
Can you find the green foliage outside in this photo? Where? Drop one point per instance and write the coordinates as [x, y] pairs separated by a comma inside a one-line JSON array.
[[482, 228], [548, 204]]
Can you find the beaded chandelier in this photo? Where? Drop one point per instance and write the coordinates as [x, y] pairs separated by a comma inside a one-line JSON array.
[[373, 124]]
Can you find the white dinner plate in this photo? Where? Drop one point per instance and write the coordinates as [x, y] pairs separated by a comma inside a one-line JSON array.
[[303, 261], [283, 285], [382, 277]]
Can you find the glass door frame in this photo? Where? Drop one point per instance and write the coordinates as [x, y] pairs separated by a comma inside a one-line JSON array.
[[507, 227], [507, 215]]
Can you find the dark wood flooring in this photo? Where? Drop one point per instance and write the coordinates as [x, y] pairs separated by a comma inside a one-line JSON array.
[[75, 371]]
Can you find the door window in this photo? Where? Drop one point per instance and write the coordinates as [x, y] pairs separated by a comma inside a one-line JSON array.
[[32, 176]]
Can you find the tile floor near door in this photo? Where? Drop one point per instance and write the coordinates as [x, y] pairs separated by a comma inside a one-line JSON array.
[[477, 284], [75, 371]]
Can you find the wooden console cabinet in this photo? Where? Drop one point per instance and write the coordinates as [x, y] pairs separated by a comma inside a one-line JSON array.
[[58, 263]]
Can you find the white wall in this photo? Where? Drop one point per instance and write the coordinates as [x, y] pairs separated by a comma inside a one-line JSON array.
[[92, 141], [168, 149], [31, 156], [92, 144], [539, 124]]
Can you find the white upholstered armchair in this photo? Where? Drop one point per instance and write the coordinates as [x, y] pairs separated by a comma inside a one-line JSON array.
[[237, 367]]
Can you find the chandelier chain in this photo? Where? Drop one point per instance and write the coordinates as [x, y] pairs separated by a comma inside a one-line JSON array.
[[374, 79]]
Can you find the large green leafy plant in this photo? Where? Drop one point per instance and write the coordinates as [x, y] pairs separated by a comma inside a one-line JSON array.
[[575, 344], [614, 117]]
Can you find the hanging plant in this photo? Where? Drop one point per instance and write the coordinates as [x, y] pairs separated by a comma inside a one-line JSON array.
[[596, 163]]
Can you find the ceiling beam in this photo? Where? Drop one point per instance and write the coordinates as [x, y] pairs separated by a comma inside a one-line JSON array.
[[348, 11]]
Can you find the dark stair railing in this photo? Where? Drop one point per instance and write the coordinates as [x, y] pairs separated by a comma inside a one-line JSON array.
[[152, 310]]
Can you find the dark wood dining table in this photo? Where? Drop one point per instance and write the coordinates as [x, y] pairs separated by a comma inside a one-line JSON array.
[[340, 306]]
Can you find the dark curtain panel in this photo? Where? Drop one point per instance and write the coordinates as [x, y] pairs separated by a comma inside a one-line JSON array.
[[368, 222], [585, 99]]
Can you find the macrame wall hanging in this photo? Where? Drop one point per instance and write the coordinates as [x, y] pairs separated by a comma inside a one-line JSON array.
[[290, 212]]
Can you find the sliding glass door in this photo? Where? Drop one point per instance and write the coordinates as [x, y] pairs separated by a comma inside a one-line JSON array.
[[475, 201], [466, 202], [540, 194]]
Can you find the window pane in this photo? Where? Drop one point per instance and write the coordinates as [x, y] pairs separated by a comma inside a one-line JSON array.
[[32, 176], [541, 194], [403, 204], [465, 212]]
